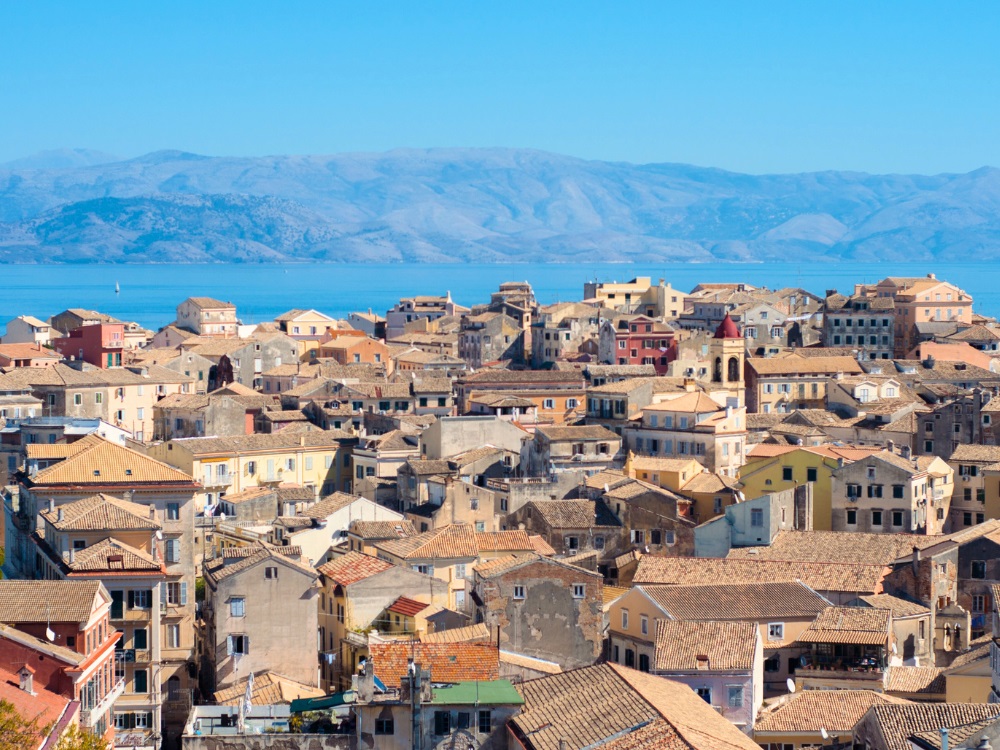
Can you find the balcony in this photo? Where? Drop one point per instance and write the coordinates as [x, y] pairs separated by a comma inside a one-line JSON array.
[[224, 481], [135, 739], [89, 718]]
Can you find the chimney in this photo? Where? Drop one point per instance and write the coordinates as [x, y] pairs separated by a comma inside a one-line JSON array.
[[904, 451], [302, 441], [152, 512], [72, 555], [944, 738], [890, 446], [916, 559], [26, 677], [563, 745], [59, 515], [984, 743], [52, 504]]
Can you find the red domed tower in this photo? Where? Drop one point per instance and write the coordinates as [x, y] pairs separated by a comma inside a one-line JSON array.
[[728, 352]]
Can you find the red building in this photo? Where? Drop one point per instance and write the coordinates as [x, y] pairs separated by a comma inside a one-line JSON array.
[[61, 631], [100, 345], [638, 340]]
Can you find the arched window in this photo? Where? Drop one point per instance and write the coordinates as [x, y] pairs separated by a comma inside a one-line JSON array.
[[717, 372], [734, 369]]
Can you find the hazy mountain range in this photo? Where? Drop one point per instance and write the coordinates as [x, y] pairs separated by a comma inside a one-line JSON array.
[[477, 205]]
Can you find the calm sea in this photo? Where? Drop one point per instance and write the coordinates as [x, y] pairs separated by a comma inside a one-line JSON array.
[[150, 293]]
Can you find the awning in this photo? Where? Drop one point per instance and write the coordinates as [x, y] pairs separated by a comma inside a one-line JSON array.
[[301, 705]]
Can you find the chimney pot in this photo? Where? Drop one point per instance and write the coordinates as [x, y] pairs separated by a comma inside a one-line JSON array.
[[59, 515], [52, 504]]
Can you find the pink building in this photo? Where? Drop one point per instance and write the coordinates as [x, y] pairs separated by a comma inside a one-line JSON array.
[[100, 345]]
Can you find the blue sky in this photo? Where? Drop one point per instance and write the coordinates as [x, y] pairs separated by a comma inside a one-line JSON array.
[[750, 86]]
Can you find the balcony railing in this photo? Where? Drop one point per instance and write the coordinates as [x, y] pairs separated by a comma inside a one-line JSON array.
[[91, 717]]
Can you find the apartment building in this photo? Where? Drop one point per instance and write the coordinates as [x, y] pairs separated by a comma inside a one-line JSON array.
[[862, 322], [318, 460], [922, 300], [782, 384], [207, 316]]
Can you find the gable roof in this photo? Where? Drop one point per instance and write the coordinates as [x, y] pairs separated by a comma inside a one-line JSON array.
[[97, 461], [820, 577], [233, 562], [353, 567], [574, 514], [896, 723], [797, 365], [452, 541], [738, 601], [101, 513], [49, 601], [837, 711], [848, 547], [269, 689], [618, 708], [375, 530], [680, 646], [860, 625]]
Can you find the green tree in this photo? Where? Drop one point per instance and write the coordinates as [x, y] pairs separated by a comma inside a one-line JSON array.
[[80, 739], [16, 732]]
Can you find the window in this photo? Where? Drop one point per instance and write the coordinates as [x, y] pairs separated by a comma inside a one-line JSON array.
[[757, 517], [176, 594], [978, 603], [460, 571], [874, 490], [579, 590], [77, 399], [173, 511], [705, 694], [978, 569], [644, 625], [967, 519], [442, 722], [898, 491], [811, 474], [876, 518], [172, 550], [140, 681], [787, 474], [519, 592], [735, 693], [897, 519], [624, 619], [384, 726], [140, 639], [773, 664], [271, 573], [237, 606], [140, 599], [852, 517], [775, 631], [173, 636], [485, 722], [237, 645], [549, 403]]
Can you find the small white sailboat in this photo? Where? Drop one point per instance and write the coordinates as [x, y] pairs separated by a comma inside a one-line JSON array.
[[118, 289]]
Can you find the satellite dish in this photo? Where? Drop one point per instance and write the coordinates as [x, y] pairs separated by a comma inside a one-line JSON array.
[[824, 734], [894, 650], [50, 634], [159, 534], [790, 684], [222, 516]]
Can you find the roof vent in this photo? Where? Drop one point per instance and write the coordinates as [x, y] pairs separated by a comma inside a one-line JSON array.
[[26, 678]]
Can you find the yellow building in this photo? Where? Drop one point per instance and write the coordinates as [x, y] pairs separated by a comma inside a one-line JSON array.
[[710, 492], [968, 678], [319, 460], [773, 468]]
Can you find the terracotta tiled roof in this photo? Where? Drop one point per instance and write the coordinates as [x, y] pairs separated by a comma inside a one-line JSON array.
[[253, 493], [524, 377], [980, 649], [224, 567], [101, 462], [620, 709], [738, 601], [961, 736], [837, 711], [48, 601], [976, 453], [406, 606], [115, 557], [796, 365], [896, 723], [692, 403], [269, 689], [861, 625], [574, 514], [540, 546], [831, 577], [452, 541], [330, 504], [854, 548], [101, 513], [585, 432], [261, 442], [210, 303], [477, 633], [916, 680], [681, 646], [899, 607], [353, 567], [448, 662], [504, 541], [43, 706], [375, 530]]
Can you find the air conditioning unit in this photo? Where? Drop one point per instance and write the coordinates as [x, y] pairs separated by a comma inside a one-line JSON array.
[[852, 498]]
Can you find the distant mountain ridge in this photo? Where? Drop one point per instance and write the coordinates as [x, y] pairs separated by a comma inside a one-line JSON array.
[[466, 205]]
